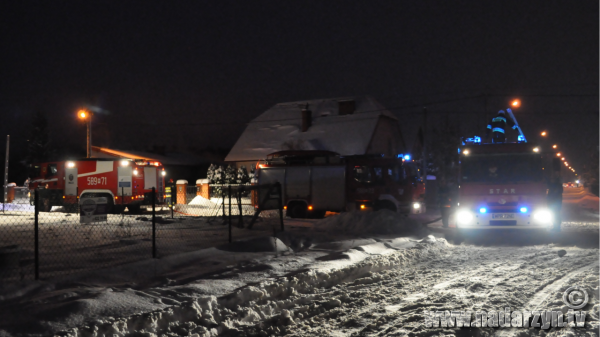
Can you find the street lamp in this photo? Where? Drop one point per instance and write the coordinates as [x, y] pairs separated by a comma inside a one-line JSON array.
[[543, 133], [558, 154], [515, 103], [87, 116], [554, 146]]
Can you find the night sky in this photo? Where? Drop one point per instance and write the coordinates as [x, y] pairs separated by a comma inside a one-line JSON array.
[[192, 73]]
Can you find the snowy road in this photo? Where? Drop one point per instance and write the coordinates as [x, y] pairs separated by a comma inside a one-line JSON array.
[[377, 289], [378, 283]]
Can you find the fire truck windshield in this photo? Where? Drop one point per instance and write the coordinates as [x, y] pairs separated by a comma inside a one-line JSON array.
[[501, 168]]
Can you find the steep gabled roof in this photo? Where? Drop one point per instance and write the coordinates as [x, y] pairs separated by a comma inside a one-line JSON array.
[[279, 128]]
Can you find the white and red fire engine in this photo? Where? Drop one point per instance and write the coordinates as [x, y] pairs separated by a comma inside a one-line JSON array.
[[503, 186], [314, 182], [124, 182]]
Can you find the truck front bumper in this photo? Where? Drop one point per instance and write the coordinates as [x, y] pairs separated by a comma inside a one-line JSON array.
[[539, 219]]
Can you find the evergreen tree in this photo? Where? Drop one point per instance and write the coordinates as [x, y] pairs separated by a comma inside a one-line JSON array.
[[210, 174], [242, 175], [219, 175], [39, 143], [230, 175]]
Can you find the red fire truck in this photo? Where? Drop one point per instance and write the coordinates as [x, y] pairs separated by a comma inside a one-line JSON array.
[[314, 182], [124, 182], [504, 186]]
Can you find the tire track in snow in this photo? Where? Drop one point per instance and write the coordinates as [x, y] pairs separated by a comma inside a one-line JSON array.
[[543, 295]]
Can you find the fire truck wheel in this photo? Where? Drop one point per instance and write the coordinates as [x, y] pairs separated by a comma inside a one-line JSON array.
[[385, 205], [134, 208], [318, 214], [297, 210], [118, 209]]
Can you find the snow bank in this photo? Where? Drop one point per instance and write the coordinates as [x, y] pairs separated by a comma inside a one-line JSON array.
[[202, 201], [276, 302], [380, 222], [261, 244]]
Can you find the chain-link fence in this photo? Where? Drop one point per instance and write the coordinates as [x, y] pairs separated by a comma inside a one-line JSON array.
[[37, 241]]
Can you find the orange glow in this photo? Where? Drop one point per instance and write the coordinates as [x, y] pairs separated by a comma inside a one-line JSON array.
[[284, 207], [563, 158], [310, 208], [554, 146], [82, 114], [362, 206], [543, 133], [516, 103], [558, 154]]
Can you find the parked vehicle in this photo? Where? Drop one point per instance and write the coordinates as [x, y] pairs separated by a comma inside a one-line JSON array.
[[124, 182], [314, 182]]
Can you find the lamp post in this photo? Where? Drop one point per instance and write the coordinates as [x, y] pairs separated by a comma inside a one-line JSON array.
[[87, 116]]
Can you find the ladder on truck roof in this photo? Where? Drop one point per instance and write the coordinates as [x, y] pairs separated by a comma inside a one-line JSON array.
[[521, 137]]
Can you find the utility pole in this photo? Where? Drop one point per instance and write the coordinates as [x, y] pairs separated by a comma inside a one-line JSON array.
[[89, 137], [87, 117], [485, 113], [424, 155], [6, 174]]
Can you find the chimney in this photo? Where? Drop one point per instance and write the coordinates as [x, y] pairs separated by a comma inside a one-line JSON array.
[[306, 118]]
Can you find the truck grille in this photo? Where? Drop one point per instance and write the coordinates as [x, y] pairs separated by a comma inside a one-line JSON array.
[[503, 222]]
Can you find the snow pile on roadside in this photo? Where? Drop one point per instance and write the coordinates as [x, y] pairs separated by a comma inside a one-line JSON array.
[[380, 222], [266, 308], [202, 201]]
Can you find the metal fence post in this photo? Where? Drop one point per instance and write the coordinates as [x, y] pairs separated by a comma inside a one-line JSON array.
[[36, 248], [223, 195], [280, 204], [239, 201], [153, 222], [229, 192], [123, 200]]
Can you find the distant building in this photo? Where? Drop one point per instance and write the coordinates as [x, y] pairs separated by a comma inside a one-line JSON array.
[[347, 125], [177, 165]]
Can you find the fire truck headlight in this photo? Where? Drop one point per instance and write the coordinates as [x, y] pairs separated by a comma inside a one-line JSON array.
[[464, 217], [164, 173], [543, 216], [416, 205], [124, 163], [70, 164]]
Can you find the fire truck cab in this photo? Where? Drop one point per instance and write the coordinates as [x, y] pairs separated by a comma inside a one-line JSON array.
[[314, 182], [124, 182], [503, 186]]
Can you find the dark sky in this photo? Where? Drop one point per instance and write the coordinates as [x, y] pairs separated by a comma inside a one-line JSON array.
[[193, 72]]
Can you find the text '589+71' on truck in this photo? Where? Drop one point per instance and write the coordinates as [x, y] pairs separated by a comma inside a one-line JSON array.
[[314, 182], [124, 183]]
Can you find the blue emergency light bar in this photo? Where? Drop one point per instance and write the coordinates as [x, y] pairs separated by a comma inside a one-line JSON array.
[[472, 140]]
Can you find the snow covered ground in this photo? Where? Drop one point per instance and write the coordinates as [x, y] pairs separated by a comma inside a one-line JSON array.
[[353, 274]]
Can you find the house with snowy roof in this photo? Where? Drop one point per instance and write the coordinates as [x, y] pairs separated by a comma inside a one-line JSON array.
[[346, 125]]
